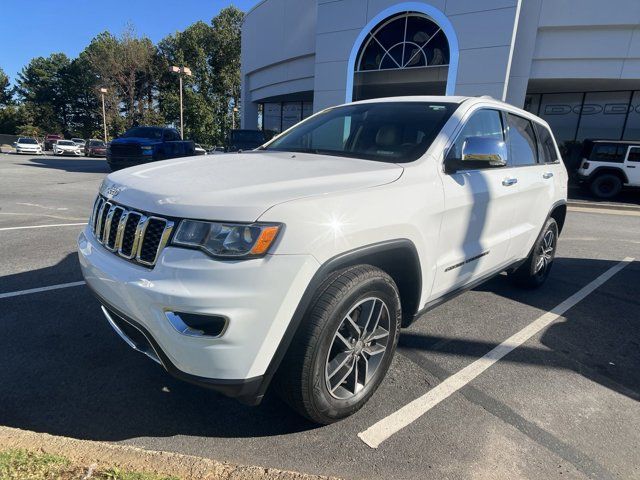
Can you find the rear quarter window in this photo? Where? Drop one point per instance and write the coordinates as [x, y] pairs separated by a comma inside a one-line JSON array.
[[608, 152]]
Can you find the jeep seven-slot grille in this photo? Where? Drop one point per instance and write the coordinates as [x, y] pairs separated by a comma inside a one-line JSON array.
[[129, 233]]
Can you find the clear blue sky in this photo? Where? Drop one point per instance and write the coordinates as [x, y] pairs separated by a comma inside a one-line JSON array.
[[33, 28]]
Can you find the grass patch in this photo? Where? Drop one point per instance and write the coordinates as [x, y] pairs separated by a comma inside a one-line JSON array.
[[25, 465]]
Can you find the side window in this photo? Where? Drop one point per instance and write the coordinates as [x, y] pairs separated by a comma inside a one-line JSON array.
[[483, 123], [634, 154], [522, 141], [608, 152], [546, 147], [171, 135]]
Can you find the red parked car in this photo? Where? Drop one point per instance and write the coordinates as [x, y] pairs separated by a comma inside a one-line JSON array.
[[50, 139], [95, 148]]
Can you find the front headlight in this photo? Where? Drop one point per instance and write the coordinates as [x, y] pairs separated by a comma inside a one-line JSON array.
[[227, 240]]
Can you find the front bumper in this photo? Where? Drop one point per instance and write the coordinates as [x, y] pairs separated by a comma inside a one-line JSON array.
[[31, 151], [75, 153], [258, 297]]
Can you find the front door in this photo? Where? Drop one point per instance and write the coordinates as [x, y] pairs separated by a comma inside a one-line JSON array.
[[479, 212]]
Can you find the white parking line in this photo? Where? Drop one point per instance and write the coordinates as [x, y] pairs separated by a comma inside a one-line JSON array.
[[41, 289], [43, 226], [385, 428]]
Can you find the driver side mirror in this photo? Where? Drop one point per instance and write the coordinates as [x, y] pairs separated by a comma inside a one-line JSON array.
[[478, 153]]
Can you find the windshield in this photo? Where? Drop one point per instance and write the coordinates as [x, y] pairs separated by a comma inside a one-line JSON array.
[[250, 136], [387, 131], [144, 132], [65, 142], [96, 143], [29, 141]]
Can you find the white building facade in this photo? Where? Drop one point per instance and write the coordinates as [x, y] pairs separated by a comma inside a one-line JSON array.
[[576, 63]]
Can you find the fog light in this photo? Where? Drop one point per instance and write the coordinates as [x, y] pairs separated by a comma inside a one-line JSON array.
[[197, 325]]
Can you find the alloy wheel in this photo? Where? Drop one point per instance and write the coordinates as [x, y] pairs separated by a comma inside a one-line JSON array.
[[357, 348], [546, 252]]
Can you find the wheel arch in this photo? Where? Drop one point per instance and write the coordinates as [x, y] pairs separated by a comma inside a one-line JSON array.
[[612, 170], [398, 258], [559, 214]]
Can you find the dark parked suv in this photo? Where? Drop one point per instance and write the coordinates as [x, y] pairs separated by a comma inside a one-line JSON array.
[[147, 144]]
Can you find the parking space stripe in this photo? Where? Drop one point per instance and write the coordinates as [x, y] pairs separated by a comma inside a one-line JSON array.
[[41, 289], [385, 428], [43, 226]]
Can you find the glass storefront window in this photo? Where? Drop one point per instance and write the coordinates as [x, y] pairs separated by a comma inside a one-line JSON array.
[[279, 116], [632, 130], [532, 103], [603, 115], [562, 111], [272, 117], [307, 109], [291, 114]]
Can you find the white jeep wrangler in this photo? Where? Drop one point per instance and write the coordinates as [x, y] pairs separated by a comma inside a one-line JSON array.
[[607, 166], [299, 262]]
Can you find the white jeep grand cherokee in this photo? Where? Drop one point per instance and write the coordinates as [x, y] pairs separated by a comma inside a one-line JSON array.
[[299, 262]]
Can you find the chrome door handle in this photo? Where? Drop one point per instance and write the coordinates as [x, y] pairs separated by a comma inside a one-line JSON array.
[[507, 182], [547, 175]]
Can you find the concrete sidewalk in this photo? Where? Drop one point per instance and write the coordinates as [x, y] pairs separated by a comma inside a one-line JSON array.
[[185, 467]]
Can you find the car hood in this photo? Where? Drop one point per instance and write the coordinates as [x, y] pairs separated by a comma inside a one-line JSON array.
[[240, 187]]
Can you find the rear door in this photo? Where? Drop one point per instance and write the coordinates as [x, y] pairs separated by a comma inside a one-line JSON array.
[[632, 166], [536, 183]]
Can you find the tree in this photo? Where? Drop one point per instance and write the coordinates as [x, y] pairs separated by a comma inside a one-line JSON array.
[[6, 92], [225, 61], [192, 48], [42, 91], [125, 66]]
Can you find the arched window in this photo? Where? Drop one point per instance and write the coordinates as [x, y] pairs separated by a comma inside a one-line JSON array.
[[406, 40]]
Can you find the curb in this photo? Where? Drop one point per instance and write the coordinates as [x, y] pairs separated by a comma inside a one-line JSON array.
[[603, 205], [187, 467]]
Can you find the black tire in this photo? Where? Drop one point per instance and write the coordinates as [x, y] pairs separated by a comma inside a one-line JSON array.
[[303, 379], [606, 185], [532, 273]]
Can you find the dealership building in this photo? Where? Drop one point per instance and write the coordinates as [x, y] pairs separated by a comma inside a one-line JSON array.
[[576, 63]]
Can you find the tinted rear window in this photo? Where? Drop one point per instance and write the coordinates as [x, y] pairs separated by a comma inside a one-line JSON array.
[[608, 152]]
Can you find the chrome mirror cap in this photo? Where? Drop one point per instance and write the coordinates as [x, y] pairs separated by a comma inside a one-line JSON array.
[[486, 150]]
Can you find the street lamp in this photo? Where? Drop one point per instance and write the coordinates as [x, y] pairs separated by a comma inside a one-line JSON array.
[[104, 114], [181, 71], [233, 118]]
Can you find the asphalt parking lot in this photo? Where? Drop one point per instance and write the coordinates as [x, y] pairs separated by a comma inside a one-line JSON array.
[[563, 404]]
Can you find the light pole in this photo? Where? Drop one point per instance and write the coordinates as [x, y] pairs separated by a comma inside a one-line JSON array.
[[233, 118], [104, 114], [181, 71]]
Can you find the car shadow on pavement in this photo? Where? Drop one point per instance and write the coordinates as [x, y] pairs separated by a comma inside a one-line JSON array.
[[64, 371], [598, 338], [71, 164]]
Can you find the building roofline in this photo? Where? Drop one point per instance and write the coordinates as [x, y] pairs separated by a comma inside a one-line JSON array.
[[252, 9]]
